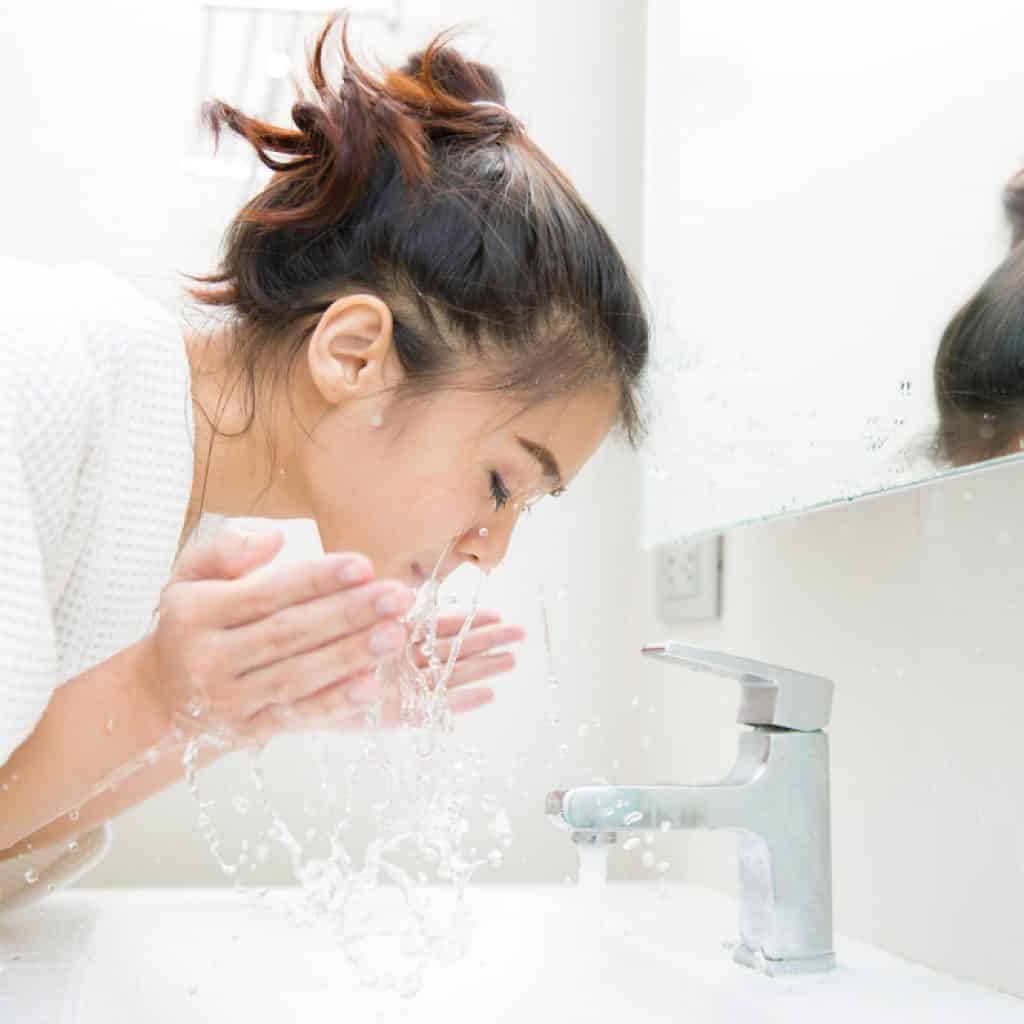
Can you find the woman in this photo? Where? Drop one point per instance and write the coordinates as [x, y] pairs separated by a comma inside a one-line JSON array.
[[427, 329]]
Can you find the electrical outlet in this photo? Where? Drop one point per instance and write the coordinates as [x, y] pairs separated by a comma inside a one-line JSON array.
[[688, 580]]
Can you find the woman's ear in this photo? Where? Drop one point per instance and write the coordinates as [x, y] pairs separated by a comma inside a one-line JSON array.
[[350, 350]]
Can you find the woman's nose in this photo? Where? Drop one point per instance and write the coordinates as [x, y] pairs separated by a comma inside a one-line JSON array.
[[487, 542]]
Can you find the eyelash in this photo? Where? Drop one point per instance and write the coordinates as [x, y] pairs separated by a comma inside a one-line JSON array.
[[498, 490]]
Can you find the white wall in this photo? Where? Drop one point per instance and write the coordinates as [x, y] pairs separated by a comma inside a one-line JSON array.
[[99, 150], [912, 604]]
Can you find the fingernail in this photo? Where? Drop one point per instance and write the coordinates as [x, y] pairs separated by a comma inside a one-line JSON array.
[[364, 690], [387, 638], [394, 601], [353, 570]]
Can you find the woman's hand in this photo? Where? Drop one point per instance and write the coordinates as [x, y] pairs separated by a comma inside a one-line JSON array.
[[247, 657], [472, 664]]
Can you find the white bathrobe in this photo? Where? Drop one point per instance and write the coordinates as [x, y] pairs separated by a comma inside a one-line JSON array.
[[96, 435]]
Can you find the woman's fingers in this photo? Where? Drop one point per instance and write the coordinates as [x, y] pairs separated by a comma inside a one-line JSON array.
[[346, 699], [343, 705], [251, 599], [481, 667], [332, 683], [449, 625], [307, 627], [302, 675], [475, 642]]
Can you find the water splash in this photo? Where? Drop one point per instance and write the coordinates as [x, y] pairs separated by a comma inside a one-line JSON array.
[[387, 923]]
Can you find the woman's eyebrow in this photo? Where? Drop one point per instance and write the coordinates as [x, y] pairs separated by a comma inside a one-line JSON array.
[[548, 463]]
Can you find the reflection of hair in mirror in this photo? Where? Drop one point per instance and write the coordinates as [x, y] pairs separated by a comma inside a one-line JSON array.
[[409, 188], [979, 365], [1013, 204]]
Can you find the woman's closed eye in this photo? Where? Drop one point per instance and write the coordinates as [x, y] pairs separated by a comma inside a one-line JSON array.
[[499, 491]]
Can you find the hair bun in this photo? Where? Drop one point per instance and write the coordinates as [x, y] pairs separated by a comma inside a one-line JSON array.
[[444, 70]]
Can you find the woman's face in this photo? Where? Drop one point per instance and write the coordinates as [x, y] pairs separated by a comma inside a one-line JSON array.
[[457, 468], [401, 481]]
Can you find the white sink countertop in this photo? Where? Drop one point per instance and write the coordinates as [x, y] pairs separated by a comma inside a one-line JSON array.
[[630, 953]]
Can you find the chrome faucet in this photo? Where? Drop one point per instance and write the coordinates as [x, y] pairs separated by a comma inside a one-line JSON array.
[[776, 797]]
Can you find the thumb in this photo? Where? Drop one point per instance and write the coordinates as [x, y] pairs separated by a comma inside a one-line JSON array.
[[228, 555]]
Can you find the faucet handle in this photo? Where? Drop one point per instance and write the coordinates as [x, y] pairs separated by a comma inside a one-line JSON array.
[[770, 694]]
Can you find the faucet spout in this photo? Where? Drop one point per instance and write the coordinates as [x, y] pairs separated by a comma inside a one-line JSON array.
[[731, 803], [654, 808], [776, 797]]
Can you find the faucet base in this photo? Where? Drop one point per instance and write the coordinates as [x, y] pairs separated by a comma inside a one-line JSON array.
[[755, 959]]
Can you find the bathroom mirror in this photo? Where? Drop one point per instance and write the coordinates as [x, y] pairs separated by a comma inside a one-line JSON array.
[[826, 190]]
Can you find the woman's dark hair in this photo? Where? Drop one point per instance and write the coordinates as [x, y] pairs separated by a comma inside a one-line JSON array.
[[442, 207], [979, 365]]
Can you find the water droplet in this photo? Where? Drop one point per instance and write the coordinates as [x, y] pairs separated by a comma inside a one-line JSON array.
[[73, 814], [631, 843], [665, 825], [484, 532], [376, 420], [110, 725], [194, 708], [494, 858], [632, 818], [31, 876], [73, 845], [647, 859]]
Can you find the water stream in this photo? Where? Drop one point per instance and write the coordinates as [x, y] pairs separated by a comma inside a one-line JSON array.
[[387, 922]]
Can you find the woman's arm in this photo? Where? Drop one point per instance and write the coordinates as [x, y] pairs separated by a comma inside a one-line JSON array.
[[95, 725]]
